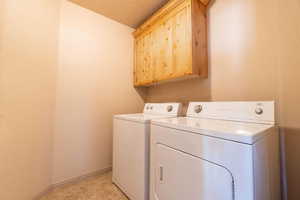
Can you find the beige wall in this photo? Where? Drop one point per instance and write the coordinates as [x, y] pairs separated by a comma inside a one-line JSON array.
[[240, 55], [93, 55], [28, 56], [94, 82], [289, 59], [242, 50], [254, 50]]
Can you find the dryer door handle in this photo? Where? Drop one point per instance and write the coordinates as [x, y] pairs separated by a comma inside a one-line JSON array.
[[161, 173]]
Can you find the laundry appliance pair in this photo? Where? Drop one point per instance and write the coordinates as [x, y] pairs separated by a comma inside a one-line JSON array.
[[219, 151]]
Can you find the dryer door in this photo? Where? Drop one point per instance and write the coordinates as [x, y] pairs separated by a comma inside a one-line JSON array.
[[179, 176]]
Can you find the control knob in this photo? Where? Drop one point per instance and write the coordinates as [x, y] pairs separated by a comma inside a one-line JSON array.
[[169, 108], [198, 108], [259, 111]]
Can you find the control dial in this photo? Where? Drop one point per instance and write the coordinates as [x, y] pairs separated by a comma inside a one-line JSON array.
[[169, 108], [198, 108], [259, 111]]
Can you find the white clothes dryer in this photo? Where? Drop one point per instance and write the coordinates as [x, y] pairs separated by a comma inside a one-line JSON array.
[[220, 151]]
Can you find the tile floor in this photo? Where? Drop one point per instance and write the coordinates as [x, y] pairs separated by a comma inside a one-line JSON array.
[[93, 188]]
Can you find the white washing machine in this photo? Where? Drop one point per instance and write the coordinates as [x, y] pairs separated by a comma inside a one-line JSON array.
[[220, 151], [131, 141]]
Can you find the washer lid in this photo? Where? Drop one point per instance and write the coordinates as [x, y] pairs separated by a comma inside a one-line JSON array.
[[242, 132], [140, 117], [153, 111]]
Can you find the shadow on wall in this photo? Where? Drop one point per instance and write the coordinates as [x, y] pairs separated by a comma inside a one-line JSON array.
[[292, 152], [143, 92], [183, 91]]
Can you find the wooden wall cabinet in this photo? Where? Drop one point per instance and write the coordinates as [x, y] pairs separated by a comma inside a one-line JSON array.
[[172, 44]]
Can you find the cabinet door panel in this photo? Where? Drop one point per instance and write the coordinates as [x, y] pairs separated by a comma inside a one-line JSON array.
[[172, 45], [138, 61], [162, 51], [143, 66], [181, 43]]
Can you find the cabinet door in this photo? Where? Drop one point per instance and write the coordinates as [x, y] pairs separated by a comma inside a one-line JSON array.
[[181, 176], [172, 44], [182, 50], [163, 50], [143, 60]]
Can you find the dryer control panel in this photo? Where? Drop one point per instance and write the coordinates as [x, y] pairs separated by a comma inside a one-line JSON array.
[[256, 112]]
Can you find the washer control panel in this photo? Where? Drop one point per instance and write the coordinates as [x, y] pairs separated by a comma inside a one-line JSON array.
[[169, 109]]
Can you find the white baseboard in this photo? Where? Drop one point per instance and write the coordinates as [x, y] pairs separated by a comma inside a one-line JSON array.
[[72, 181]]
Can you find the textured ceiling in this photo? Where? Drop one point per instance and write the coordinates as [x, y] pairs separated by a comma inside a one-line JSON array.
[[129, 12]]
